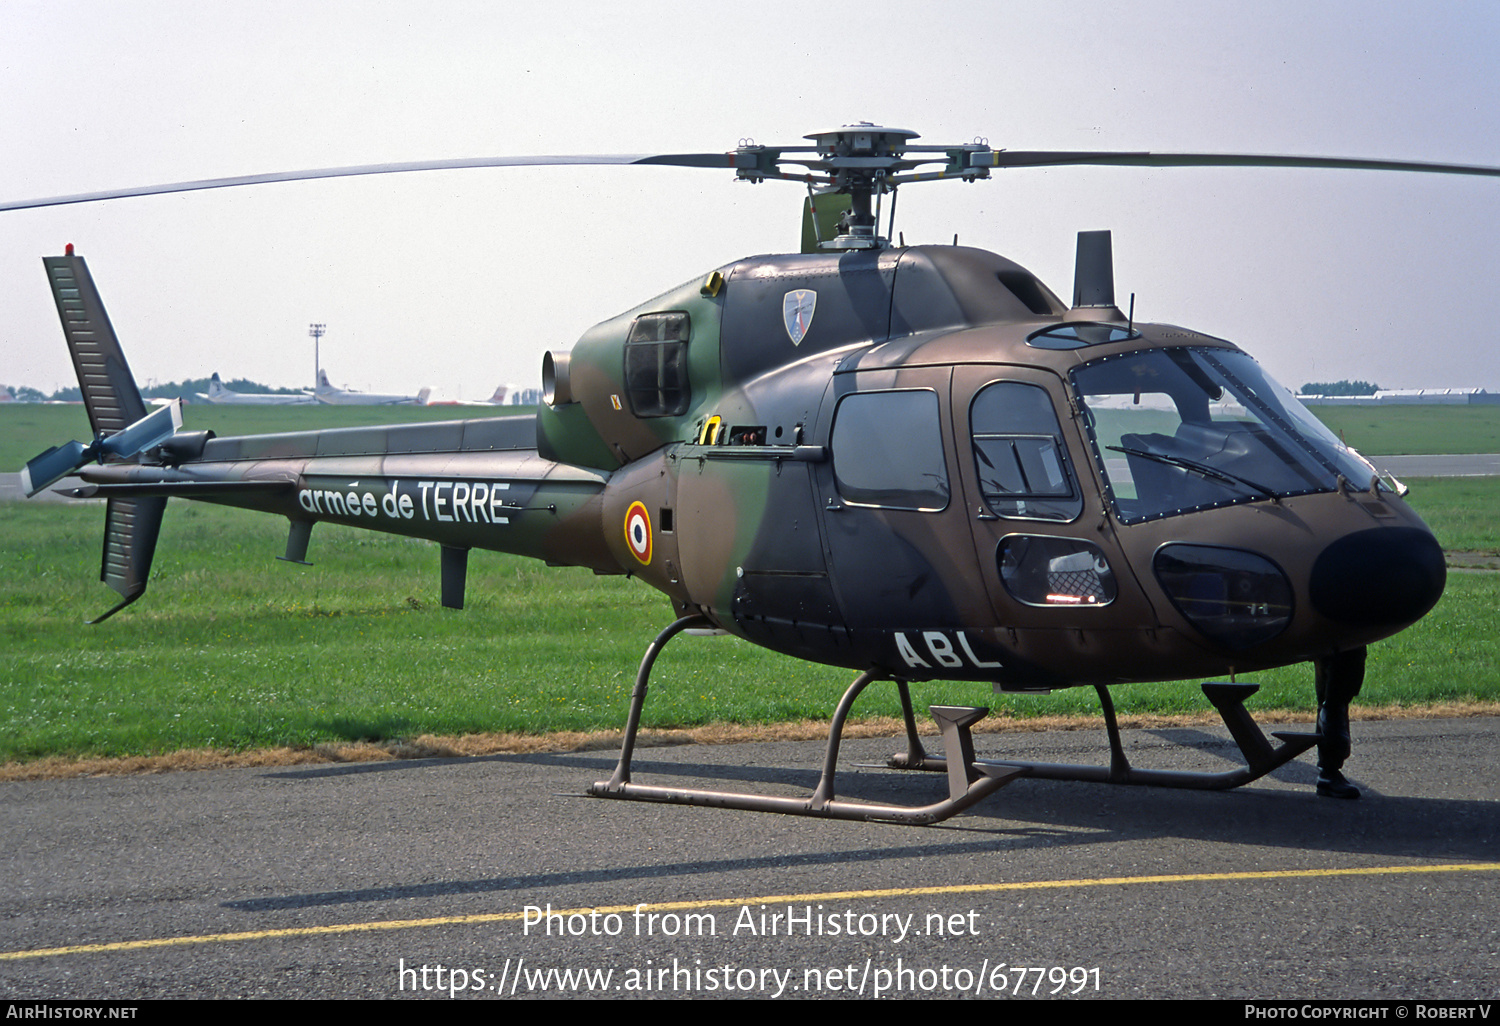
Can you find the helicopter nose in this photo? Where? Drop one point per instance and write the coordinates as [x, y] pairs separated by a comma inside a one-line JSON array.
[[1384, 576]]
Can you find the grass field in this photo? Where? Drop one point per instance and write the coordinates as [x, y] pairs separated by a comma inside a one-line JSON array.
[[1414, 430], [1462, 511], [232, 649]]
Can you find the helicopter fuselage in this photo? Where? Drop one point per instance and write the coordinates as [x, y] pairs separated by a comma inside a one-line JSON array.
[[916, 460]]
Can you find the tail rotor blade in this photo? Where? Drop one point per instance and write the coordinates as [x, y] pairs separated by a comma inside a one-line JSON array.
[[52, 466], [58, 462], [151, 430]]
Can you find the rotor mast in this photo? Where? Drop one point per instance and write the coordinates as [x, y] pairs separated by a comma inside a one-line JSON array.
[[860, 159]]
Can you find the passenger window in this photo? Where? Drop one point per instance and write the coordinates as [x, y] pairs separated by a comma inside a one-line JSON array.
[[656, 367], [1055, 571], [888, 450], [1020, 455]]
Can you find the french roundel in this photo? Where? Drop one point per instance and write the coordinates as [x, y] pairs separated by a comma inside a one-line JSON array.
[[638, 532]]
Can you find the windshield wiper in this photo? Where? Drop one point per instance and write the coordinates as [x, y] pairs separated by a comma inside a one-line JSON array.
[[1201, 469]]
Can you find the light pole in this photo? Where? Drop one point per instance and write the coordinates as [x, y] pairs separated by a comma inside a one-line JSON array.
[[317, 331]]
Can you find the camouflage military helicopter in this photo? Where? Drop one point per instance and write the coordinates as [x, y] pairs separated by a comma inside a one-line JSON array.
[[916, 462]]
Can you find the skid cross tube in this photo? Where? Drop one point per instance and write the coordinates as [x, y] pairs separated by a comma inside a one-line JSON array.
[[968, 782]]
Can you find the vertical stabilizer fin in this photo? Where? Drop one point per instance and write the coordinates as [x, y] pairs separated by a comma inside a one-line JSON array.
[[109, 391], [131, 526], [122, 428]]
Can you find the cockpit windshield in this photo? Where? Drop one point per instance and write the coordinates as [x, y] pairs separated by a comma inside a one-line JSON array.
[[1176, 430]]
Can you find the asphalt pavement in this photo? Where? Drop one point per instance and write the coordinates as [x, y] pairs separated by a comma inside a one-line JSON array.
[[434, 879]]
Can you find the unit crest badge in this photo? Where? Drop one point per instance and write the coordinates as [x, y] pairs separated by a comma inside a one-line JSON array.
[[797, 313]]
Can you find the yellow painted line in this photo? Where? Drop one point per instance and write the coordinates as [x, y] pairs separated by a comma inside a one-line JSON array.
[[771, 899]]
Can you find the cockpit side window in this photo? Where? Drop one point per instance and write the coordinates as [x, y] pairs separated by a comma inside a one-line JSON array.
[[887, 450], [1020, 454], [656, 365]]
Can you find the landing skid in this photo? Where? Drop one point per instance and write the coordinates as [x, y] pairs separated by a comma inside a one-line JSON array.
[[1261, 757], [970, 780]]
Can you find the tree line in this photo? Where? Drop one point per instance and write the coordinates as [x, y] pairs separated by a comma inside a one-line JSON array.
[[171, 390], [1339, 388]]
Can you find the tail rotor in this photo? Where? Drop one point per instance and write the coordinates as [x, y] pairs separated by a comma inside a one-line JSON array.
[[123, 430]]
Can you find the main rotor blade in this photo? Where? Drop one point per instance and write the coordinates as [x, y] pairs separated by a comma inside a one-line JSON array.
[[1055, 158], [738, 159], [720, 160]]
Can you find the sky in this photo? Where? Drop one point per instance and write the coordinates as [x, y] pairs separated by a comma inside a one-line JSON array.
[[461, 280]]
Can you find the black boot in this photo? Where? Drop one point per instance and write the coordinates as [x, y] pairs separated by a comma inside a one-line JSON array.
[[1331, 784], [1333, 724], [1338, 679]]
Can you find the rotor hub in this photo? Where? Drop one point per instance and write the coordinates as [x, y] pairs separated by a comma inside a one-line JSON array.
[[862, 139]]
